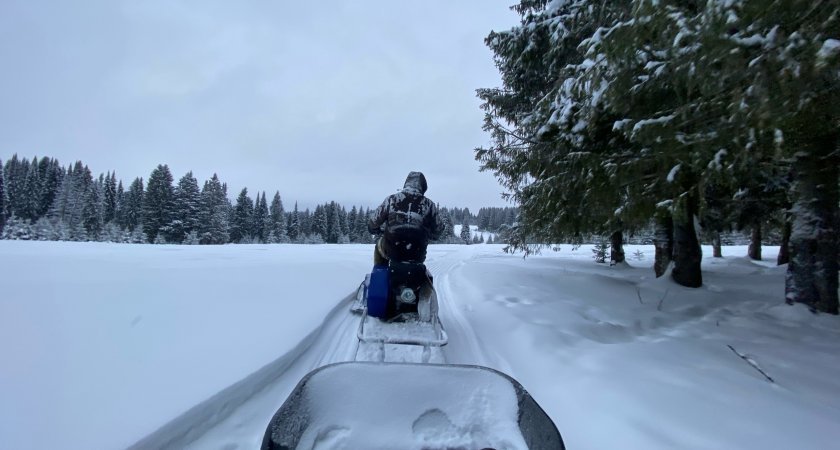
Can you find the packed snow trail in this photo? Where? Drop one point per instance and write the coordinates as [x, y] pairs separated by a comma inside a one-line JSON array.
[[238, 420]]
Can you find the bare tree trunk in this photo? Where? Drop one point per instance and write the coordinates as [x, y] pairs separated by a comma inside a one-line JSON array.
[[784, 253], [664, 243], [754, 250], [617, 247], [687, 252], [812, 271], [717, 250]]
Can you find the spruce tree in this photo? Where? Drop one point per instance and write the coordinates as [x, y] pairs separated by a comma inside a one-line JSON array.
[[133, 205], [319, 222], [2, 199], [187, 207], [109, 198], [334, 223], [119, 213], [465, 231], [214, 226], [242, 218], [30, 196], [159, 204], [261, 221], [52, 175], [277, 220], [294, 225], [91, 212]]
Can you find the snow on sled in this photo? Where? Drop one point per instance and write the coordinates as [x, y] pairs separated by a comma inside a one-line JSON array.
[[399, 310], [367, 405]]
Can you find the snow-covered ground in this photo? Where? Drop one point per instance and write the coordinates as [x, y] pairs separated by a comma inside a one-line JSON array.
[[111, 346]]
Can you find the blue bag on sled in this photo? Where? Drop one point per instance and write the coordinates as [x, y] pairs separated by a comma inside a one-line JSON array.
[[377, 292]]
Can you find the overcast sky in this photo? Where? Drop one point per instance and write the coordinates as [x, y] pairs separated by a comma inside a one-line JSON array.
[[330, 100]]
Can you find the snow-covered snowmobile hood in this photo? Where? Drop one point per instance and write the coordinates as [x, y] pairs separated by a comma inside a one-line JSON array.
[[416, 182]]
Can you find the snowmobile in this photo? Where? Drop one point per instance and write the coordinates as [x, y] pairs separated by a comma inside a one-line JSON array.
[[399, 310], [373, 406], [395, 400]]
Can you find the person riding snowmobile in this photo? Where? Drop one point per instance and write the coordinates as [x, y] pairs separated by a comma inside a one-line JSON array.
[[407, 221]]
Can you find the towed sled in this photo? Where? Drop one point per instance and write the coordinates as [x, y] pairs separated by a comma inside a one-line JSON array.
[[373, 406], [399, 315]]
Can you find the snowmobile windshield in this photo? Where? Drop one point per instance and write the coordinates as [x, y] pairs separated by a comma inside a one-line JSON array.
[[406, 406]]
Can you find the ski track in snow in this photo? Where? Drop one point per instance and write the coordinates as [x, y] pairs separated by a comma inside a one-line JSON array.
[[236, 418]]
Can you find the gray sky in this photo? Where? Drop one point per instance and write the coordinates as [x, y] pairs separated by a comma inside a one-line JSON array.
[[330, 100]]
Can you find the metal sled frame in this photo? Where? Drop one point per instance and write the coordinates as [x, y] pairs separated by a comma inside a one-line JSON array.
[[440, 340]]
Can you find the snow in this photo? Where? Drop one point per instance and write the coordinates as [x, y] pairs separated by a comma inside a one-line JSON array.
[[829, 49], [655, 121], [110, 345], [673, 173], [445, 407]]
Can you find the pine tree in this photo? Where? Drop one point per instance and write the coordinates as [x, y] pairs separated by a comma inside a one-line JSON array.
[[363, 236], [319, 222], [159, 204], [294, 225], [52, 175], [277, 220], [109, 198], [91, 212], [242, 219], [2, 199], [261, 221], [465, 231], [119, 212], [187, 207], [334, 223], [30, 198], [214, 225], [134, 205]]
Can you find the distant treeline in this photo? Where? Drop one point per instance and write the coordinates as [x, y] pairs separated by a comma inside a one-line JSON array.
[[42, 200]]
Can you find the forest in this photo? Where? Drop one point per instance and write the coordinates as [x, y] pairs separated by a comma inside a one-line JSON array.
[[694, 117]]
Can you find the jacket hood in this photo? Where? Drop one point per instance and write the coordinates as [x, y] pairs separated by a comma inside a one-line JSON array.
[[415, 181]]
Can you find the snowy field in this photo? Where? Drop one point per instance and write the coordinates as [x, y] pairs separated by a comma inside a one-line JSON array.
[[106, 346]]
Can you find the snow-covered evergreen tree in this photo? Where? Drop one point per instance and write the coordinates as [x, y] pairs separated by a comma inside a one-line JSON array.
[[192, 238], [187, 207], [319, 222], [30, 196], [159, 203], [119, 211], [333, 213], [465, 232], [2, 199], [261, 224], [52, 175], [294, 225], [109, 200], [242, 219], [214, 227], [17, 229], [91, 212], [133, 205], [277, 221]]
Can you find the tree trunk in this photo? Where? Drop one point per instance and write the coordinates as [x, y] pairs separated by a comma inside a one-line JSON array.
[[812, 271], [784, 254], [687, 252], [663, 241], [717, 250], [617, 247], [754, 250]]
